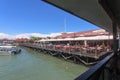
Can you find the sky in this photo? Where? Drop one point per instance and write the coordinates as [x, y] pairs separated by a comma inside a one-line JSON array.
[[20, 18]]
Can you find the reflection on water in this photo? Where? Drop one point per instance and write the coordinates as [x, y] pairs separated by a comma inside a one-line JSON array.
[[31, 65]]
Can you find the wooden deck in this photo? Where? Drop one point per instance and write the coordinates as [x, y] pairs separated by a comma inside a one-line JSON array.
[[77, 56]]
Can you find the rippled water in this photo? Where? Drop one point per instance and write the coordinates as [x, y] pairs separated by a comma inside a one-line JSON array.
[[32, 65]]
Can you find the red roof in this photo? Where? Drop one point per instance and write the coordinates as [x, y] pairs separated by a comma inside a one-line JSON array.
[[85, 33], [21, 40]]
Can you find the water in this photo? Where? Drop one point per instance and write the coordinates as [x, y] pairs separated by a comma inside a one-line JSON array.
[[31, 65]]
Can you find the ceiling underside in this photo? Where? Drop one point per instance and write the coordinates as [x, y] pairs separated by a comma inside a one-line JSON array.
[[89, 10]]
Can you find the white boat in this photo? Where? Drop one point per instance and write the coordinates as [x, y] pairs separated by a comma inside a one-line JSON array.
[[9, 50]]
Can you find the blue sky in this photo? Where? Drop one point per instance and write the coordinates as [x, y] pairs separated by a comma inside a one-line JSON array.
[[36, 16]]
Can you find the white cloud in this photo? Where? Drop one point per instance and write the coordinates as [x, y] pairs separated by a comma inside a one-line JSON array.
[[27, 35], [3, 35], [53, 34]]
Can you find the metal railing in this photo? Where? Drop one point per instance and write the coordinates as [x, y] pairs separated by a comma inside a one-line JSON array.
[[103, 70]]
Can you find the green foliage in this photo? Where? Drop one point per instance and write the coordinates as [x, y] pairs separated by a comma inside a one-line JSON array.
[[33, 38], [48, 37]]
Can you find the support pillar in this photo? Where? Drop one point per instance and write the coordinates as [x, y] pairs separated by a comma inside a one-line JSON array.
[[119, 41], [115, 48], [85, 43], [115, 44]]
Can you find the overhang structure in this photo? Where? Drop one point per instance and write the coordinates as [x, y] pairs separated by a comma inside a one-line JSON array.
[[102, 13]]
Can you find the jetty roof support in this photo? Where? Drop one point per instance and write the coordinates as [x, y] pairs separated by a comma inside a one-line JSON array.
[[115, 45]]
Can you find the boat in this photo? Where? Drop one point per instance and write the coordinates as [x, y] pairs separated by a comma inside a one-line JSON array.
[[9, 50]]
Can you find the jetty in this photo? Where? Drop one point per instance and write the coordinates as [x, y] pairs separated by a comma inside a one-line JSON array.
[[76, 54], [86, 47]]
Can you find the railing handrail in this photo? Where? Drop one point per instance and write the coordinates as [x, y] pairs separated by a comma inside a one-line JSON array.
[[87, 75]]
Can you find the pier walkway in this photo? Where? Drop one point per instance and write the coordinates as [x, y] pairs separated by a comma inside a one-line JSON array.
[[88, 56]]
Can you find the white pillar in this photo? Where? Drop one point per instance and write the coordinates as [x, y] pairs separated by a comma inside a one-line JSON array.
[[85, 43]]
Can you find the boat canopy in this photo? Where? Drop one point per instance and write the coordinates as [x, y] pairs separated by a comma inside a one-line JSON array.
[[101, 13]]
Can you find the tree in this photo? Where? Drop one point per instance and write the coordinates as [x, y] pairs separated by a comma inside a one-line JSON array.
[[48, 37], [33, 39]]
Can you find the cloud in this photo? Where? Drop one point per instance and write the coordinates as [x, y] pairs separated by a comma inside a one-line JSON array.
[[27, 35], [3, 35], [53, 34]]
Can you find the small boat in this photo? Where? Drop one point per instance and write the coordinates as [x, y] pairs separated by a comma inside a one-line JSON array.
[[9, 50]]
